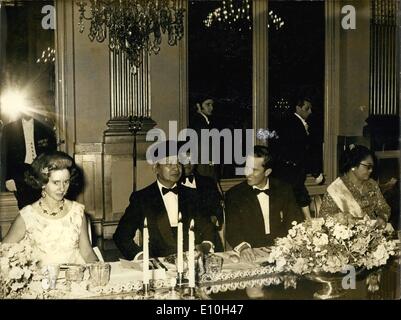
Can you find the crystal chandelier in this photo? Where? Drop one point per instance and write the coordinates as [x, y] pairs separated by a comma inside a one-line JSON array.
[[134, 26], [234, 12], [48, 56]]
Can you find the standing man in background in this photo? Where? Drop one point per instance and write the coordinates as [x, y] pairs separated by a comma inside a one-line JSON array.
[[203, 119], [292, 150], [23, 140]]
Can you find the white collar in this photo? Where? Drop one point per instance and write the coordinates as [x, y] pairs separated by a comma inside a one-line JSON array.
[[205, 116], [302, 119], [27, 121], [266, 187], [189, 184]]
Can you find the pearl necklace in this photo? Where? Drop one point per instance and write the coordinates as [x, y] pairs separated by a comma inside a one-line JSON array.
[[53, 213]]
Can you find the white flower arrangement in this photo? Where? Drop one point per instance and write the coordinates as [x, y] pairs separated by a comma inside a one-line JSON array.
[[325, 245], [17, 269]]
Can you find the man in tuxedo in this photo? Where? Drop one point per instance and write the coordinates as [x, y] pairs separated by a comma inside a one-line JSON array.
[[203, 114], [161, 203], [259, 209], [202, 119], [210, 199], [292, 149], [24, 140]]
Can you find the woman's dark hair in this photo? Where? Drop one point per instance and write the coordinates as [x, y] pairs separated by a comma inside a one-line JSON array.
[[263, 152], [44, 164], [353, 156]]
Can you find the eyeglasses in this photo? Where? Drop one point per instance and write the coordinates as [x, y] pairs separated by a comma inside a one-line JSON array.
[[368, 166]]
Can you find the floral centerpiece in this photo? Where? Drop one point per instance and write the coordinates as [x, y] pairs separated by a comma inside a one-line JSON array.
[[326, 245], [17, 269]]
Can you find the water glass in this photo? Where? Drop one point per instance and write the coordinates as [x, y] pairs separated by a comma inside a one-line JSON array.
[[99, 274], [75, 273]]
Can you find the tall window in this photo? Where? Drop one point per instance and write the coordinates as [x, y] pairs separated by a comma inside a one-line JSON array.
[[296, 65], [27, 55], [220, 63], [27, 60]]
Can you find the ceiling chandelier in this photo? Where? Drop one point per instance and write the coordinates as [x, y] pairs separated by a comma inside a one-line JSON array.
[[134, 26], [233, 12], [48, 56]]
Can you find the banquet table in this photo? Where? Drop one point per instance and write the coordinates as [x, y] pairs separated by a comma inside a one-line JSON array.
[[234, 281]]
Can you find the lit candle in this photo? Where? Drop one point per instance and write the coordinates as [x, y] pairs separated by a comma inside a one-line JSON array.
[[180, 246], [145, 260], [191, 255]]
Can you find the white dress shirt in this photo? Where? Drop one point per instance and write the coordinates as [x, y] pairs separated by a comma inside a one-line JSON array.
[[27, 126], [263, 199], [170, 200], [306, 126], [189, 184]]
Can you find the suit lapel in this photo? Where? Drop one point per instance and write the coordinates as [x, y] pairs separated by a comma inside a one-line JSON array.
[[20, 138], [274, 197], [276, 206], [254, 209], [183, 199]]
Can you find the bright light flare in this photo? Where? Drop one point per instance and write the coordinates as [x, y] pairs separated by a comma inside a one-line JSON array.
[[13, 103]]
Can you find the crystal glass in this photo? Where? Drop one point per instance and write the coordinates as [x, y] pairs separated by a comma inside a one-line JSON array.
[[213, 263], [52, 274], [75, 273], [99, 274]]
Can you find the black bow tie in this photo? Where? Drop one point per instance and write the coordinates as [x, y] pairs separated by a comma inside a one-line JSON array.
[[257, 191], [166, 190], [190, 179]]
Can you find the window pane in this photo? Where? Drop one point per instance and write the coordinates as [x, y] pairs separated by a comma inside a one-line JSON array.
[[220, 63], [296, 66], [27, 60]]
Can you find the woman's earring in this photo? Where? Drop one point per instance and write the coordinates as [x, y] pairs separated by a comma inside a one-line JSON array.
[[353, 169], [43, 194]]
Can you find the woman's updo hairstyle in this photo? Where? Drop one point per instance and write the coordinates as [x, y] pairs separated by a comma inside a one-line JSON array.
[[41, 168], [353, 156]]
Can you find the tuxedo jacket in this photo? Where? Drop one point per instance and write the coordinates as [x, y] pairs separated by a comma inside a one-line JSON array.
[[209, 197], [148, 203], [199, 122], [293, 142], [14, 146], [244, 218]]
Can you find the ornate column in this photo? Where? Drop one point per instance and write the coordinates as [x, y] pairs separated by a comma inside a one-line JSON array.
[[124, 139], [130, 95]]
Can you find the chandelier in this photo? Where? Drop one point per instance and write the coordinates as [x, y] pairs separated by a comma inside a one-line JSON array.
[[237, 12], [48, 56], [135, 27]]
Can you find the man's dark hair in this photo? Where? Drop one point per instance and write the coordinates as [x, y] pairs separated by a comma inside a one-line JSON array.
[[263, 152], [200, 97], [299, 101]]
